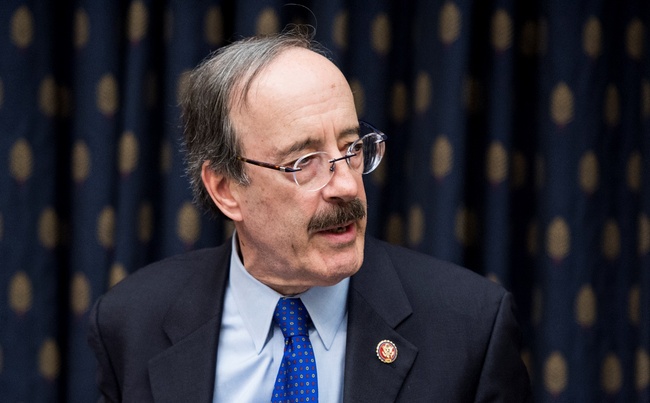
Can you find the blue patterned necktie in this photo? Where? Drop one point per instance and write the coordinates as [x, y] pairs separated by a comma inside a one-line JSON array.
[[296, 380]]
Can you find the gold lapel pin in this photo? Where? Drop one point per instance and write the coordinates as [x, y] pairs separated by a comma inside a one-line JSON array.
[[386, 351]]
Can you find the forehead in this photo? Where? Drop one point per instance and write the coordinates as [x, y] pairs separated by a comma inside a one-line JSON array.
[[300, 97]]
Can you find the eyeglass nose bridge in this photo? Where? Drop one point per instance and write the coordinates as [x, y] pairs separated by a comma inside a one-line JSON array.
[[346, 157]]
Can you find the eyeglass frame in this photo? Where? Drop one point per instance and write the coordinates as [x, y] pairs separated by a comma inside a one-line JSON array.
[[383, 137]]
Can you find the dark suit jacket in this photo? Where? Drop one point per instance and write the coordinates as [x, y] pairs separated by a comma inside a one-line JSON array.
[[155, 334]]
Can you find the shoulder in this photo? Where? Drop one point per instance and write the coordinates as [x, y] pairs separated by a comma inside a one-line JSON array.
[[172, 269], [430, 281], [412, 264], [149, 287]]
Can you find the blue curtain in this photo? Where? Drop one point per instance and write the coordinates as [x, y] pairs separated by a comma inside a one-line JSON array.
[[519, 146]]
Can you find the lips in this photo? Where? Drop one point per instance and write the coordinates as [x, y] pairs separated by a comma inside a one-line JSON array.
[[337, 230]]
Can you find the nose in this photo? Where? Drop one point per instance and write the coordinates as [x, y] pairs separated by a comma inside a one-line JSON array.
[[344, 183]]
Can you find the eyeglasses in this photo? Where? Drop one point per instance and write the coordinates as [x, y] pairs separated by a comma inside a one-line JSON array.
[[315, 170]]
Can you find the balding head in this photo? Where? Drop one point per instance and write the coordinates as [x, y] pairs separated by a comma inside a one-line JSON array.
[[218, 83]]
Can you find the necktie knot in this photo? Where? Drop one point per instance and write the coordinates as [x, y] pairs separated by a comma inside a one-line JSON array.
[[292, 317]]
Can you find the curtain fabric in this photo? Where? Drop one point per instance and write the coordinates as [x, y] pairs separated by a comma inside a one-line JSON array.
[[519, 146]]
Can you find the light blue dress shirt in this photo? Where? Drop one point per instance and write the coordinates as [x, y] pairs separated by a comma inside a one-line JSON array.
[[251, 345]]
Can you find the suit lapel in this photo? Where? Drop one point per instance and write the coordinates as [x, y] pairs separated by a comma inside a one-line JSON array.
[[185, 371], [377, 304]]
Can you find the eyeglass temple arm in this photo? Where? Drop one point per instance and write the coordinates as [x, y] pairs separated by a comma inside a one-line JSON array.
[[270, 166]]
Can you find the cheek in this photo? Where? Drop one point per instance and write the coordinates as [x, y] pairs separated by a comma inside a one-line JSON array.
[[277, 208]]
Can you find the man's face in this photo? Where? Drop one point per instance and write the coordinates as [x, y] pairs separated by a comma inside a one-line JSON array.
[[299, 104]]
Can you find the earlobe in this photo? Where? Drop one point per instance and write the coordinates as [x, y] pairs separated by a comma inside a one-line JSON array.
[[220, 189]]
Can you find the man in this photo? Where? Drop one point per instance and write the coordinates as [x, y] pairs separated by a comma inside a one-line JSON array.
[[274, 144]]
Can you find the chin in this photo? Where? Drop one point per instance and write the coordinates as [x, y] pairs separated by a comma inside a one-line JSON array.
[[331, 265], [340, 269], [334, 279]]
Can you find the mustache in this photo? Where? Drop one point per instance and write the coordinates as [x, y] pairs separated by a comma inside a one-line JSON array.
[[338, 215]]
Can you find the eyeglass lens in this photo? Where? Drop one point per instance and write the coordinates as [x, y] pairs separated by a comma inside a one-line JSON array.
[[363, 156]]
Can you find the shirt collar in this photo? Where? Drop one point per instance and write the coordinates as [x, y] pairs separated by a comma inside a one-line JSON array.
[[256, 302]]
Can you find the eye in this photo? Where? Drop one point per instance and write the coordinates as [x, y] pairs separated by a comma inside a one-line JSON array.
[[305, 161], [356, 147]]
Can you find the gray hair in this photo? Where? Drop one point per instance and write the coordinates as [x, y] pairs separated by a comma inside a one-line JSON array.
[[209, 96]]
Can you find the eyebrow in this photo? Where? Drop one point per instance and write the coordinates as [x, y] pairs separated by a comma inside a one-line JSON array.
[[313, 143]]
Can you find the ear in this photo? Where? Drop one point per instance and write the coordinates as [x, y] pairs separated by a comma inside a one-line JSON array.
[[220, 189]]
